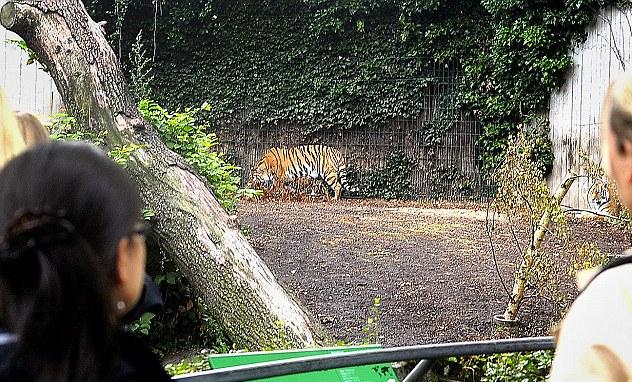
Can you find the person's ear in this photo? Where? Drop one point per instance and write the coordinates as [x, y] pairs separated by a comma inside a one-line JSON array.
[[123, 267]]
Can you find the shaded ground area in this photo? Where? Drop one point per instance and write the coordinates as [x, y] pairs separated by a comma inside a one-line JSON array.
[[432, 267]]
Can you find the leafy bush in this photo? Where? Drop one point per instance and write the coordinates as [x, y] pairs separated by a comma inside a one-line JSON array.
[[184, 322], [182, 133], [64, 127], [392, 181], [518, 367], [506, 367]]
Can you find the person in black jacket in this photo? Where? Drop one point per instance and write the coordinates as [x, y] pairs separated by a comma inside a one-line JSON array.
[[72, 261]]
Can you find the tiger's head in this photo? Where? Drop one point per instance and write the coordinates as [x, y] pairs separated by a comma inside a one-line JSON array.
[[603, 197], [261, 176], [599, 197]]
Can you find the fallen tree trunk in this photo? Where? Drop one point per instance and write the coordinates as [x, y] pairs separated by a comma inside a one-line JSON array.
[[241, 292]]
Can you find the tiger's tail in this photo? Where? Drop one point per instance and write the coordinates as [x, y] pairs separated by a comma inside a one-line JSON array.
[[340, 168]]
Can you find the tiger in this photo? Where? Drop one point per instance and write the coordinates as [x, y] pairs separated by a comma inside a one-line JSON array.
[[279, 165], [603, 197]]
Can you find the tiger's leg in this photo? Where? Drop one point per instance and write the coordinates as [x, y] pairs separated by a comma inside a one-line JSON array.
[[333, 181]]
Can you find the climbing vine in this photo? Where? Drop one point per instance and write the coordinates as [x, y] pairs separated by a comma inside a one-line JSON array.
[[326, 64], [390, 181]]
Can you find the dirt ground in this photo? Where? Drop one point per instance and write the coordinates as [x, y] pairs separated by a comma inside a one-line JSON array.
[[432, 266]]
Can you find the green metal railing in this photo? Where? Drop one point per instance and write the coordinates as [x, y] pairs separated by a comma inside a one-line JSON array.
[[425, 353]]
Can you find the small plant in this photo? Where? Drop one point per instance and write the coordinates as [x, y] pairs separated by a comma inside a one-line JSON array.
[[64, 127], [462, 368], [372, 327], [141, 73], [506, 367], [121, 154], [189, 365], [32, 56], [142, 324]]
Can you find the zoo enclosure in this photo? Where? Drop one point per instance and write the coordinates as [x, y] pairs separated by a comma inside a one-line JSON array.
[[431, 153]]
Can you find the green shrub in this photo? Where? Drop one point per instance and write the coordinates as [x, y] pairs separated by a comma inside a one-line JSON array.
[[64, 127], [184, 134], [506, 367], [391, 181], [518, 367]]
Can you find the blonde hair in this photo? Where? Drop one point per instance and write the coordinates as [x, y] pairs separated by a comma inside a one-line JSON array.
[[33, 131], [617, 110], [11, 141]]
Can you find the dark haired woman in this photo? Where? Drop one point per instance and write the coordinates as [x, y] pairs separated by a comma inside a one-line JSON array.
[[72, 261], [595, 339]]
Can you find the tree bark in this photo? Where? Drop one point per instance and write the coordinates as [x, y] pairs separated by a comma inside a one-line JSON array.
[[241, 292], [529, 257]]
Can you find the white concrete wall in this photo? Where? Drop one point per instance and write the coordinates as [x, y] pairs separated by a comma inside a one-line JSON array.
[[575, 109], [28, 87]]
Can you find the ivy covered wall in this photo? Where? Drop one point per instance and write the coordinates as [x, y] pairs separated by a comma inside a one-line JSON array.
[[357, 63]]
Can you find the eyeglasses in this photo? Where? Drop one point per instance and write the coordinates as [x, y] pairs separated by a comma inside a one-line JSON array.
[[140, 228]]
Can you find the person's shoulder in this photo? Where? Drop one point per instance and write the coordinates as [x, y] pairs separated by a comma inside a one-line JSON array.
[[137, 363], [9, 371], [613, 284], [590, 342]]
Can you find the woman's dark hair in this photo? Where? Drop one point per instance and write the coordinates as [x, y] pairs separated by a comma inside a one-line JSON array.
[[63, 209]]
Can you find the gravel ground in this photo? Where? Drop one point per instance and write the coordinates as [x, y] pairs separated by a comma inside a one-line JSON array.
[[432, 266]]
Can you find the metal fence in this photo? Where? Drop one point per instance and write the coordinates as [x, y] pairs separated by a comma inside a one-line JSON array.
[[437, 139], [425, 353]]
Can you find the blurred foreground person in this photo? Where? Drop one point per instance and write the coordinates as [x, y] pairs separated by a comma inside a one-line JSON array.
[[595, 338], [32, 130], [72, 261], [11, 141]]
